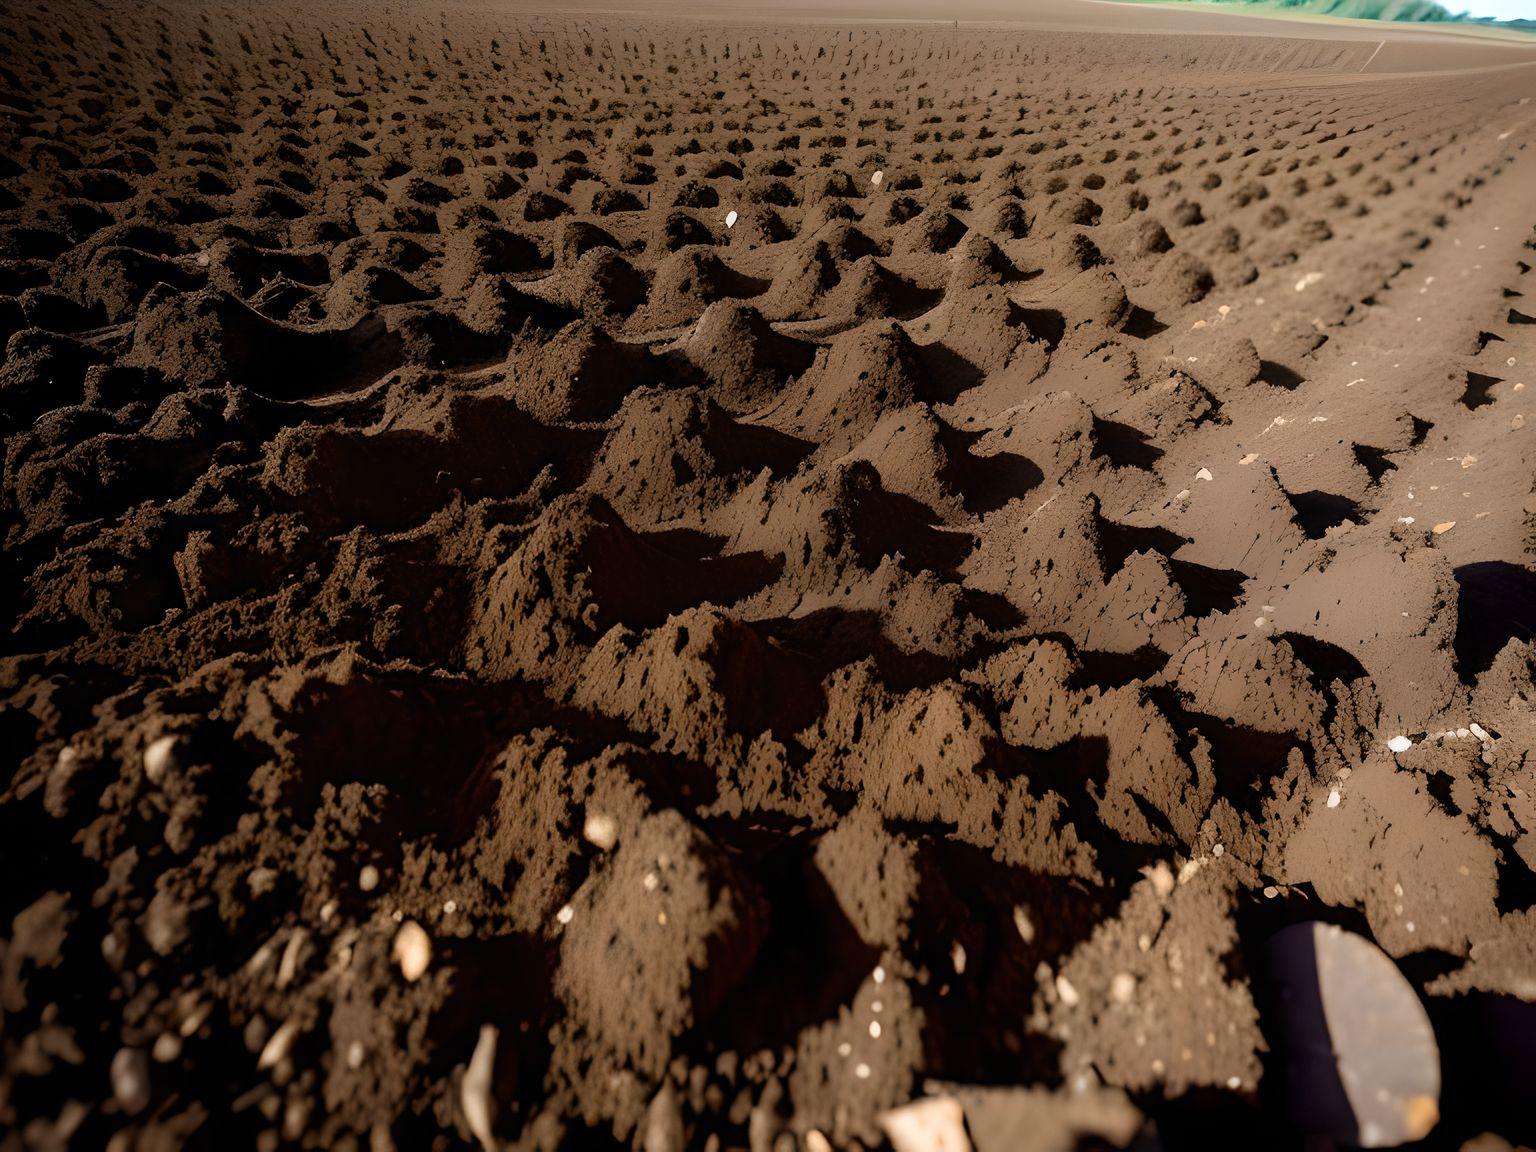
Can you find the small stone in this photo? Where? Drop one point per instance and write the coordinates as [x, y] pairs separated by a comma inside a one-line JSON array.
[[601, 831], [1333, 797], [730, 218], [1204, 474], [288, 966], [412, 950], [197, 1015], [160, 759], [130, 1080], [1066, 992], [876, 178], [166, 924], [475, 1089], [1161, 877], [368, 878], [277, 1047], [1443, 527], [1399, 743], [664, 1130], [167, 1048], [1122, 988], [936, 1124]]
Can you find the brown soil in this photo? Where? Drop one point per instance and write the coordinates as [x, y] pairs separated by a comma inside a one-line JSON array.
[[922, 631]]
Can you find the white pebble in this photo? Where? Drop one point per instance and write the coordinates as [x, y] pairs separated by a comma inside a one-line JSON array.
[[730, 218], [167, 1048], [276, 1049], [130, 1080], [160, 758], [412, 950], [600, 829], [566, 914], [475, 1089], [1333, 797], [1067, 992], [1399, 743], [1122, 988], [368, 878]]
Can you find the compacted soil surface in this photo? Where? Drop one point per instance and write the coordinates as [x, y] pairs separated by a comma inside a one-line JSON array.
[[605, 581]]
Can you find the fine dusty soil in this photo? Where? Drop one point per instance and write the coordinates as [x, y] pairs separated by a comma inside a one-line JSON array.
[[613, 581]]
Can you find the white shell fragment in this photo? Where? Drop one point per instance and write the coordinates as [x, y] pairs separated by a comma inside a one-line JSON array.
[[475, 1089], [412, 950], [936, 1124]]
